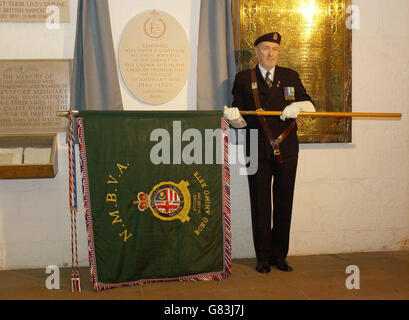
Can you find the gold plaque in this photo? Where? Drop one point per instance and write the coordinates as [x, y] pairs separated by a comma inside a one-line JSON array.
[[154, 57], [34, 10], [316, 43], [31, 92]]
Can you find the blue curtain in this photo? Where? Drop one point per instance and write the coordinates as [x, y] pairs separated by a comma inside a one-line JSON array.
[[216, 63], [95, 83]]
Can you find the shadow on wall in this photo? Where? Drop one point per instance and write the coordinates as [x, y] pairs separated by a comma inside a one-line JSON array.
[[327, 146], [2, 242]]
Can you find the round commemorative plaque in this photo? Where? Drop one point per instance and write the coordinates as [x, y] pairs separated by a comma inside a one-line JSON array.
[[154, 57]]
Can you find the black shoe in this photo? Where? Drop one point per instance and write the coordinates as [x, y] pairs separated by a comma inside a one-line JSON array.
[[263, 267], [282, 265]]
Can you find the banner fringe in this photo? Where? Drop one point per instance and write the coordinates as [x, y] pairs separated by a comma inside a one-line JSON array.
[[75, 282], [72, 187]]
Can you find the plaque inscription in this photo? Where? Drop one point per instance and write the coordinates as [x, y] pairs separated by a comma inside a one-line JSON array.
[[33, 10], [30, 94], [154, 57]]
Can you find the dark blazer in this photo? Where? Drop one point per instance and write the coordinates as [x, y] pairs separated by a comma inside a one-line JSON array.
[[272, 99]]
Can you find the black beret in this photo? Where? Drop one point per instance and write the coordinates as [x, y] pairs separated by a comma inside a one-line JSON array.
[[269, 37]]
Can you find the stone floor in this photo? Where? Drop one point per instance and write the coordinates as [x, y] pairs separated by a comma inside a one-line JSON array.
[[383, 276]]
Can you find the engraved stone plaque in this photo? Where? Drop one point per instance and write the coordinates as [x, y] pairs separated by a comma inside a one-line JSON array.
[[154, 57], [34, 10], [31, 91]]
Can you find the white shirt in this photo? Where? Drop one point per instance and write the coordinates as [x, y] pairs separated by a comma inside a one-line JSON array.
[[264, 72]]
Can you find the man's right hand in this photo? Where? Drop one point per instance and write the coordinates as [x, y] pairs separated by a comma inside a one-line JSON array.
[[234, 117]]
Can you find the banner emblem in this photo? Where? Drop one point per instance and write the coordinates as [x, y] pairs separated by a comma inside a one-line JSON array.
[[167, 200]]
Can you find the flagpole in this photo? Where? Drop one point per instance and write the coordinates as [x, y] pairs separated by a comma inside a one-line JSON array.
[[66, 114], [75, 113], [326, 114]]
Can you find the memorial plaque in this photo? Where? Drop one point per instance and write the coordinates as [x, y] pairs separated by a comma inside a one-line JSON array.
[[154, 57], [34, 10], [31, 92]]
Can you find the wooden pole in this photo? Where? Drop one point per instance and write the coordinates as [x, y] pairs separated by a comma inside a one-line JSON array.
[[327, 114], [66, 114], [303, 114]]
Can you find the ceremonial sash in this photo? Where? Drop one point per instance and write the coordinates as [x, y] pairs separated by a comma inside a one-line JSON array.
[[275, 143]]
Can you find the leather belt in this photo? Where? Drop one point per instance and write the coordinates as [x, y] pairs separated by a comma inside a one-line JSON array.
[[275, 143]]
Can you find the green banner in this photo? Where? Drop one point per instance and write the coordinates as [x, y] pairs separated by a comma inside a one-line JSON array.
[[156, 196]]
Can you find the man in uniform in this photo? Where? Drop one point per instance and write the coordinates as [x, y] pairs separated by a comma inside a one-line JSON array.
[[269, 87]]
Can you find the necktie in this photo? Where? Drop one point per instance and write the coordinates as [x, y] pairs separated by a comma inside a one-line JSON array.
[[268, 80]]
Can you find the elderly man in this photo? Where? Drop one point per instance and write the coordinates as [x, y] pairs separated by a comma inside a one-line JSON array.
[[269, 87]]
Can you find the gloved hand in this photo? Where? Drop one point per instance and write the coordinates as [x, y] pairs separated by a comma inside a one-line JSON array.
[[293, 110], [234, 117]]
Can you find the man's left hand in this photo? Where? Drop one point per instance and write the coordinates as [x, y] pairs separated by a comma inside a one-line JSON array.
[[293, 110]]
